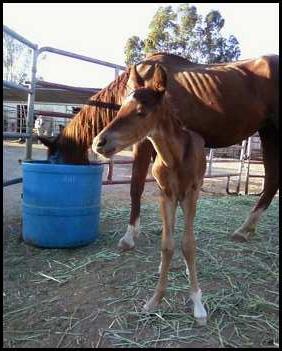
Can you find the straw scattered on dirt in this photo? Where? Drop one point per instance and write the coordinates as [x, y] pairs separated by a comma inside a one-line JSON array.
[[92, 296]]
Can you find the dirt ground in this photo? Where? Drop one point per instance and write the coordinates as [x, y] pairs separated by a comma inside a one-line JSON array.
[[92, 296]]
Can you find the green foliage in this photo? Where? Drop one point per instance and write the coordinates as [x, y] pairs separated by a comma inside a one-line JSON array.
[[134, 50], [186, 33], [161, 31], [16, 60], [214, 47]]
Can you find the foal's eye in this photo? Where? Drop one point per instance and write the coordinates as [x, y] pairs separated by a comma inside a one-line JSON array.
[[141, 113]]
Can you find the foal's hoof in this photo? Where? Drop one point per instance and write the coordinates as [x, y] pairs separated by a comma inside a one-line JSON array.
[[150, 306], [124, 245], [201, 321]]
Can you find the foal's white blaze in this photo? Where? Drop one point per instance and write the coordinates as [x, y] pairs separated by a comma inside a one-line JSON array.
[[199, 311], [133, 231], [129, 98]]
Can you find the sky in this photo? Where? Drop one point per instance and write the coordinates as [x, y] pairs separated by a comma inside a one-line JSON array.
[[100, 30]]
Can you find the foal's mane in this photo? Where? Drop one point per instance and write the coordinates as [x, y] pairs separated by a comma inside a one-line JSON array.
[[91, 119]]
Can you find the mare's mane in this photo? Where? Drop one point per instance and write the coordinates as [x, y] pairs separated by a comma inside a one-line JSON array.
[[77, 136], [91, 119]]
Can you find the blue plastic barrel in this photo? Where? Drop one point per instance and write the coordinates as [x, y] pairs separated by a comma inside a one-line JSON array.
[[61, 204]]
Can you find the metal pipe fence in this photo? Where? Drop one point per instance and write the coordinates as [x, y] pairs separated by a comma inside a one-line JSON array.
[[82, 58], [31, 91], [20, 38], [16, 86], [31, 112]]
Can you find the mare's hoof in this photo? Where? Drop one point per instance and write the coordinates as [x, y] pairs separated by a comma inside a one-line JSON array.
[[241, 236]]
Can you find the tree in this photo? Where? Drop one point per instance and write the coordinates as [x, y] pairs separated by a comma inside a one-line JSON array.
[[214, 47], [16, 60], [161, 31], [186, 33], [134, 49], [187, 40]]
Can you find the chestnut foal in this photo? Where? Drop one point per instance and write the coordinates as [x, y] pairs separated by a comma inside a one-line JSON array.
[[179, 170]]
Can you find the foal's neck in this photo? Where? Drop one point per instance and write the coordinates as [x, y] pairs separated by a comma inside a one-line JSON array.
[[169, 143]]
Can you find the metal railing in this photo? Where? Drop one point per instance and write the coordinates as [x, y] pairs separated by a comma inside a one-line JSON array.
[[31, 90]]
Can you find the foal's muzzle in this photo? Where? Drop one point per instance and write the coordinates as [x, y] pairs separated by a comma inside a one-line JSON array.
[[102, 145]]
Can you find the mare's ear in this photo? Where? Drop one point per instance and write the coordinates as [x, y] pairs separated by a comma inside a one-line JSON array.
[[136, 81], [159, 79], [48, 141]]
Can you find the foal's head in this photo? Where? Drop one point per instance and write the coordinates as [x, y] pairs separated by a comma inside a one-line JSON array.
[[138, 116]]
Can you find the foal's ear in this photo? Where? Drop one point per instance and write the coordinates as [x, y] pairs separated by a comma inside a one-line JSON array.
[[159, 79], [47, 141], [136, 79]]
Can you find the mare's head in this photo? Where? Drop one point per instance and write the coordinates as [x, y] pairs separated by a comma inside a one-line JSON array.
[[139, 115], [54, 155], [73, 142], [61, 150]]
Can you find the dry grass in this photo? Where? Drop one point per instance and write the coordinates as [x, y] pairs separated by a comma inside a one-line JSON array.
[[92, 296]]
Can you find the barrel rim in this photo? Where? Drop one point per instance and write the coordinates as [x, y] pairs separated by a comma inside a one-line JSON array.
[[43, 166]]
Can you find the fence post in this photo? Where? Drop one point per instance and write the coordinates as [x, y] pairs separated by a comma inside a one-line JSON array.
[[210, 162], [249, 156], [116, 72], [240, 169], [30, 106]]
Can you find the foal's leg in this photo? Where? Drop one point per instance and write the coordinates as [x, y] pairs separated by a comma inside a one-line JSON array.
[[269, 139], [168, 208], [188, 246], [143, 152]]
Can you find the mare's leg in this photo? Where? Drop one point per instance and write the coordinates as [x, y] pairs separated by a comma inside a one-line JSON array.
[[168, 208], [270, 145], [188, 246], [143, 152]]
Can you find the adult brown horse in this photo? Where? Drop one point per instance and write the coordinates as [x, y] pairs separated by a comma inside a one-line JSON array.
[[225, 103], [73, 142]]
